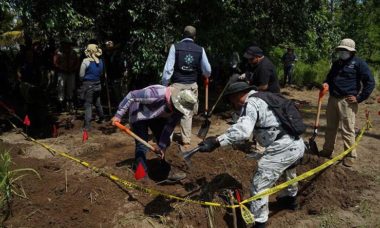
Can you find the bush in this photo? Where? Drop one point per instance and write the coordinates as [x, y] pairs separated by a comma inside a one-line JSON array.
[[310, 73]]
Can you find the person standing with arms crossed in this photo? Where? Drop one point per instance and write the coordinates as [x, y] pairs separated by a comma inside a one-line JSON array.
[[185, 60]]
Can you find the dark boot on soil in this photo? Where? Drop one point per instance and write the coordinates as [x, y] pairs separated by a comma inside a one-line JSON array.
[[325, 154], [101, 120], [175, 175], [259, 225], [287, 202]]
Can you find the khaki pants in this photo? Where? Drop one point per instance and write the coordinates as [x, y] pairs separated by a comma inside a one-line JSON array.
[[186, 121], [339, 110]]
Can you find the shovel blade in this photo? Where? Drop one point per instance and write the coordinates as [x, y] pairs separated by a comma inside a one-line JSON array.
[[188, 154], [202, 133]]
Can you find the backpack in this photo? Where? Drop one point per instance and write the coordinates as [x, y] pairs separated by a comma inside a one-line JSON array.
[[286, 111]]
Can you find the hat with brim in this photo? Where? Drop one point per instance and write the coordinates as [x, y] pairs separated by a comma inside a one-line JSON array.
[[183, 100], [237, 87], [346, 44]]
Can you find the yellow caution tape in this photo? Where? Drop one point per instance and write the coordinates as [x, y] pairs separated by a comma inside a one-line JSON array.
[[248, 217], [246, 214], [308, 173]]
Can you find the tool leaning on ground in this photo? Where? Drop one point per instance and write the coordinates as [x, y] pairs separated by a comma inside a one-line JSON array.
[[206, 124], [312, 143], [202, 133]]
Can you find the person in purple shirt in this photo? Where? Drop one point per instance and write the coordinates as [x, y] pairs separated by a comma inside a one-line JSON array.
[[159, 108]]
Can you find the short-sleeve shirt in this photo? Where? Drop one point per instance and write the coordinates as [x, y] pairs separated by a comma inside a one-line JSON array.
[[264, 73]]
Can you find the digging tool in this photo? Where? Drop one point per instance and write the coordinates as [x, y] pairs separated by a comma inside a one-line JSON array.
[[312, 143], [10, 111], [206, 124], [133, 135], [188, 154], [129, 132], [202, 133]]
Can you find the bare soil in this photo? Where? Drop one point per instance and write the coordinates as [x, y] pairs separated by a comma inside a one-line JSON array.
[[70, 195]]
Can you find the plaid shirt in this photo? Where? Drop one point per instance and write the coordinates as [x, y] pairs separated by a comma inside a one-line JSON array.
[[149, 103]]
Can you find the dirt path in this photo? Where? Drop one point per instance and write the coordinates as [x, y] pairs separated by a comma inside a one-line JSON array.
[[337, 197]]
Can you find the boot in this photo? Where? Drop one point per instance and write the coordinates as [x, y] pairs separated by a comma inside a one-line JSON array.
[[325, 154], [175, 175], [259, 225], [348, 161], [288, 202]]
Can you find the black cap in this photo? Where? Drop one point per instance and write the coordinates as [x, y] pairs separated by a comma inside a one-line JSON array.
[[253, 51], [238, 86]]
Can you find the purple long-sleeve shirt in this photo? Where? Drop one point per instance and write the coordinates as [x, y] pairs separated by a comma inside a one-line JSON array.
[[149, 103]]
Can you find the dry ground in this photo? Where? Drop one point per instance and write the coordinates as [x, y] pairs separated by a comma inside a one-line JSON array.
[[337, 197]]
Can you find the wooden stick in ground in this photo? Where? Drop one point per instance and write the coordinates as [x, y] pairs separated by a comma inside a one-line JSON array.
[[66, 179], [108, 94], [233, 209]]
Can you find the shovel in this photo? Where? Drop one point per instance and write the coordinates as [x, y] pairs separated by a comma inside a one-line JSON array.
[[133, 135], [202, 133], [188, 154], [206, 124], [312, 143]]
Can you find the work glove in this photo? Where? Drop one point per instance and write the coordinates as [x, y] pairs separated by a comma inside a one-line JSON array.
[[159, 152], [209, 144]]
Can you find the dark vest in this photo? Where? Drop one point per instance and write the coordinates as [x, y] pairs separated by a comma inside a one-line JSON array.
[[187, 65], [94, 71]]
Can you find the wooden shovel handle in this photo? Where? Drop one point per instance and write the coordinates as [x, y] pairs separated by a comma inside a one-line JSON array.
[[129, 132], [206, 81], [322, 93], [316, 124]]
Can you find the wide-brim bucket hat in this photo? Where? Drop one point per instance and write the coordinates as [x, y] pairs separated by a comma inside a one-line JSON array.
[[183, 100]]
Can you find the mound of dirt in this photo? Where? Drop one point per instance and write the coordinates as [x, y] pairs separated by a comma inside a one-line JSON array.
[[69, 195]]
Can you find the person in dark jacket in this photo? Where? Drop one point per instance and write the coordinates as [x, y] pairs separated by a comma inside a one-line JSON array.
[[288, 60], [350, 82], [92, 68], [185, 61], [261, 71]]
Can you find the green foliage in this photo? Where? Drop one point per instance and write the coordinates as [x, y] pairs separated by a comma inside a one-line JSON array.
[[305, 73], [145, 29], [10, 180]]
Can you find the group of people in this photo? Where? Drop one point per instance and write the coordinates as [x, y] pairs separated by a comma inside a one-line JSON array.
[[161, 107], [56, 77]]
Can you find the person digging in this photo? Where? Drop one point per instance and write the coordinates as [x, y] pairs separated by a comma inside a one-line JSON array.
[[159, 108], [282, 150]]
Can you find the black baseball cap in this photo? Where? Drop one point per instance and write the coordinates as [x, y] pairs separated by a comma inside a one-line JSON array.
[[253, 51]]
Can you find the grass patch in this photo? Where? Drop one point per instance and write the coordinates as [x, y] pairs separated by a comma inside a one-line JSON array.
[[365, 209], [329, 220], [11, 182]]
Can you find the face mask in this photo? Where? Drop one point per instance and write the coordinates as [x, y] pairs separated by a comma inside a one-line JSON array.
[[343, 55]]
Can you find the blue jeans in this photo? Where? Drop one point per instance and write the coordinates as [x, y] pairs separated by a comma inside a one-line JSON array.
[[140, 128], [288, 73]]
